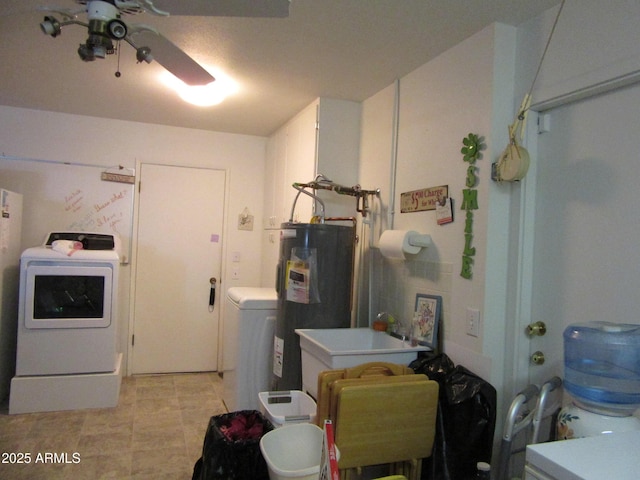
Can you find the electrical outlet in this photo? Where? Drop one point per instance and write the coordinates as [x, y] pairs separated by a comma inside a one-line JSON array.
[[473, 322]]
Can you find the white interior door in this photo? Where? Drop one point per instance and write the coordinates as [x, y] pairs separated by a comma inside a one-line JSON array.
[[179, 249], [587, 222]]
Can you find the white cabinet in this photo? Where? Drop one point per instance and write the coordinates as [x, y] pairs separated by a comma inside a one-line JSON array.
[[324, 138], [274, 176], [338, 152], [291, 153], [270, 254], [300, 163]]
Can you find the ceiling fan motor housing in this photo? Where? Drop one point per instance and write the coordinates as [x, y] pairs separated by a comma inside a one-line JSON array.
[[104, 25], [100, 10]]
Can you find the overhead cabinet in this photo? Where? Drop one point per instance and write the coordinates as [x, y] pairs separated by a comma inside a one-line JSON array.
[[324, 138]]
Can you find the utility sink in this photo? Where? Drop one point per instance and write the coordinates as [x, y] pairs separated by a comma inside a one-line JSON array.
[[333, 348]]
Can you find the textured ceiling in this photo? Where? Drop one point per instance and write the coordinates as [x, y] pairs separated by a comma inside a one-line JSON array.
[[346, 49]]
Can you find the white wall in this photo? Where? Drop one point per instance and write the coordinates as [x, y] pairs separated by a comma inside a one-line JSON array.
[[468, 89], [595, 44], [88, 140], [440, 103], [476, 87]]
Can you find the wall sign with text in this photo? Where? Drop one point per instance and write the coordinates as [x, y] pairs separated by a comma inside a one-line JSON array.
[[423, 199]]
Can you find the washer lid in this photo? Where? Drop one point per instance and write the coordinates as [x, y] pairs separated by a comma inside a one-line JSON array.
[[253, 298]]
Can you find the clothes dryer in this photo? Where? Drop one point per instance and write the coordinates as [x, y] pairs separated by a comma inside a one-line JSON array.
[[67, 325], [248, 328], [67, 315]]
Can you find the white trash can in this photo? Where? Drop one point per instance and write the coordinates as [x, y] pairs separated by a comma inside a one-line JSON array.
[[293, 451], [287, 407]]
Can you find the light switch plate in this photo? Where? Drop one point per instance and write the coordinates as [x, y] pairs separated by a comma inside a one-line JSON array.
[[473, 322]]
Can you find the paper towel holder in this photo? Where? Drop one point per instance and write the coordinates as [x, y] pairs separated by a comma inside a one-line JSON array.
[[399, 243], [421, 240]]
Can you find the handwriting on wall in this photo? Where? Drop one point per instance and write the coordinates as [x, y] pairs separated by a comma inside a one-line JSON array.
[[61, 196], [102, 213]]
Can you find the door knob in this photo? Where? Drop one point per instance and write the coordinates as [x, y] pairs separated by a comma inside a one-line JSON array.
[[537, 358], [537, 329]]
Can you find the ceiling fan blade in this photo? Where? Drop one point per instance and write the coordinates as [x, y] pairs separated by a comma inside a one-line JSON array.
[[171, 57], [225, 8]]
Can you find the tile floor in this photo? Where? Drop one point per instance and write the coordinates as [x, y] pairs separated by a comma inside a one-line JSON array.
[[155, 432]]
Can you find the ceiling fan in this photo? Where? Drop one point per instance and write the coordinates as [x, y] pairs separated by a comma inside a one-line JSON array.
[[105, 25]]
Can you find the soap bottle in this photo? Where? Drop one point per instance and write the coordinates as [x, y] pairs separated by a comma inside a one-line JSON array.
[[483, 471], [391, 324]]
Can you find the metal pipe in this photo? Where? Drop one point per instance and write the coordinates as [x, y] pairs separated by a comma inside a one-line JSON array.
[[326, 184], [301, 189], [354, 191], [394, 154]]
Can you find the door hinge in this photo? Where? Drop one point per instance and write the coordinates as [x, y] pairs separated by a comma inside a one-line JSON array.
[[133, 340]]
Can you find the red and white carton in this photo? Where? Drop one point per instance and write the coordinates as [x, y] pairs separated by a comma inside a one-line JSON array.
[[329, 459]]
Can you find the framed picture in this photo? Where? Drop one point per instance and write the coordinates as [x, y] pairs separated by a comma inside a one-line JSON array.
[[426, 318]]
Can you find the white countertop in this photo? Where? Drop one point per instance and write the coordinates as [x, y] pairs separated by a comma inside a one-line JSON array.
[[610, 456]]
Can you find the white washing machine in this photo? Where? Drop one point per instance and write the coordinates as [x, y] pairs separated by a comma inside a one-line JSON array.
[[249, 325]]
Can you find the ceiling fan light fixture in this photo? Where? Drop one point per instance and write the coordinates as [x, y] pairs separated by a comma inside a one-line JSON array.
[[143, 54], [86, 53], [100, 51], [202, 95], [117, 29], [208, 95], [51, 26]]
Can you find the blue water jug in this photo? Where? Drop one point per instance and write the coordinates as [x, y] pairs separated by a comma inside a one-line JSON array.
[[602, 365]]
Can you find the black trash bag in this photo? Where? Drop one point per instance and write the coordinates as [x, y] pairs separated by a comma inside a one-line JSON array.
[[465, 423], [435, 366], [231, 449]]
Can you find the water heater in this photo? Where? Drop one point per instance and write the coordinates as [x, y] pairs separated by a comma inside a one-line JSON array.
[[314, 284]]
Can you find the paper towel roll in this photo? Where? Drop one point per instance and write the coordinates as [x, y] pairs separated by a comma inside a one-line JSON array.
[[395, 243]]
